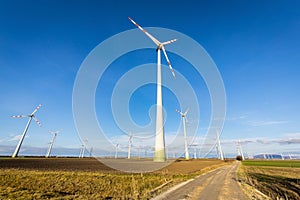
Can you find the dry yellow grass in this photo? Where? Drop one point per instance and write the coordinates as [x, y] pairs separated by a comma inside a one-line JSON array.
[[27, 183], [274, 182]]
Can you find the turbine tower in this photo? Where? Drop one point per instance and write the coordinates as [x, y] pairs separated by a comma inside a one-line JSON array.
[[129, 145], [220, 148], [159, 154], [116, 153], [31, 116], [183, 116], [195, 149], [240, 149], [52, 142], [83, 147]]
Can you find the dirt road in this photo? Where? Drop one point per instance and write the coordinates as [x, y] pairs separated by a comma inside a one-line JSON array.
[[218, 184]]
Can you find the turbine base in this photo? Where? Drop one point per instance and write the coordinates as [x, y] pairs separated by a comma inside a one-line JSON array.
[[159, 156]]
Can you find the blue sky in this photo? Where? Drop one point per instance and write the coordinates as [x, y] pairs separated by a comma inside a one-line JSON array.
[[255, 45]]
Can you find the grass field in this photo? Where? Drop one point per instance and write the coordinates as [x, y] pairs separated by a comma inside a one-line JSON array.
[[25, 184], [276, 179], [272, 163], [89, 179]]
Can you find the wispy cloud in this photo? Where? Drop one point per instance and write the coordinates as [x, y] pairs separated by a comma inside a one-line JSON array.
[[292, 135], [236, 118], [290, 141], [282, 141], [15, 138], [267, 123]]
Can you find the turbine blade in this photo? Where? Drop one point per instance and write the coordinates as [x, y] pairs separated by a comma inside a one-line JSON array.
[[37, 121], [59, 131], [179, 112], [187, 110], [20, 116], [187, 121], [169, 42], [148, 34], [54, 132], [36, 109], [170, 66]]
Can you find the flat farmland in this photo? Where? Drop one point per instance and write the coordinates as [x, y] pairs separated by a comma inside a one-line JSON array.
[[74, 178], [275, 179]]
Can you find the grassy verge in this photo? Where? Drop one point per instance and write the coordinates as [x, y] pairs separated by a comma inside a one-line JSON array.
[[271, 178], [272, 163]]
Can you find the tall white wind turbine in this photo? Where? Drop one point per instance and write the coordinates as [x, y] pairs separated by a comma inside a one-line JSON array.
[[31, 116], [183, 115], [52, 142], [160, 154]]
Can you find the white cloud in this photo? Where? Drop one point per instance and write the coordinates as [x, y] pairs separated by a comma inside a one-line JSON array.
[[289, 141], [236, 118], [267, 123], [15, 138], [292, 135], [283, 141]]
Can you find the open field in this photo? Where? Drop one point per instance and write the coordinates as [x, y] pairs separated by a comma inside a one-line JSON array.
[[70, 178], [273, 163], [275, 179]]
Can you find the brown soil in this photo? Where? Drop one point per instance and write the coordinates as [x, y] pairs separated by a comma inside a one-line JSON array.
[[55, 164], [93, 165], [275, 183]]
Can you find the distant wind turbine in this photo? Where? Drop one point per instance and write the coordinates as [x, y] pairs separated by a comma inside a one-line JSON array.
[[183, 115], [240, 150], [82, 150], [116, 153], [52, 142], [129, 145], [31, 116], [195, 150], [160, 154], [91, 152], [220, 147]]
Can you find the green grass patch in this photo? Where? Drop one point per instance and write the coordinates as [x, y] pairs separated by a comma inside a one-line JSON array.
[[272, 163]]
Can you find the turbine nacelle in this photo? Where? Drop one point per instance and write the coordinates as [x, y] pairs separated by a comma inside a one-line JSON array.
[[162, 44], [183, 114]]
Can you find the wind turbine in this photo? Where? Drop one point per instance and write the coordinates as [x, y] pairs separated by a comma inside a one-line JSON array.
[[116, 153], [159, 154], [91, 152], [195, 149], [82, 150], [183, 115], [241, 150], [31, 116], [129, 145], [52, 142], [219, 147]]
